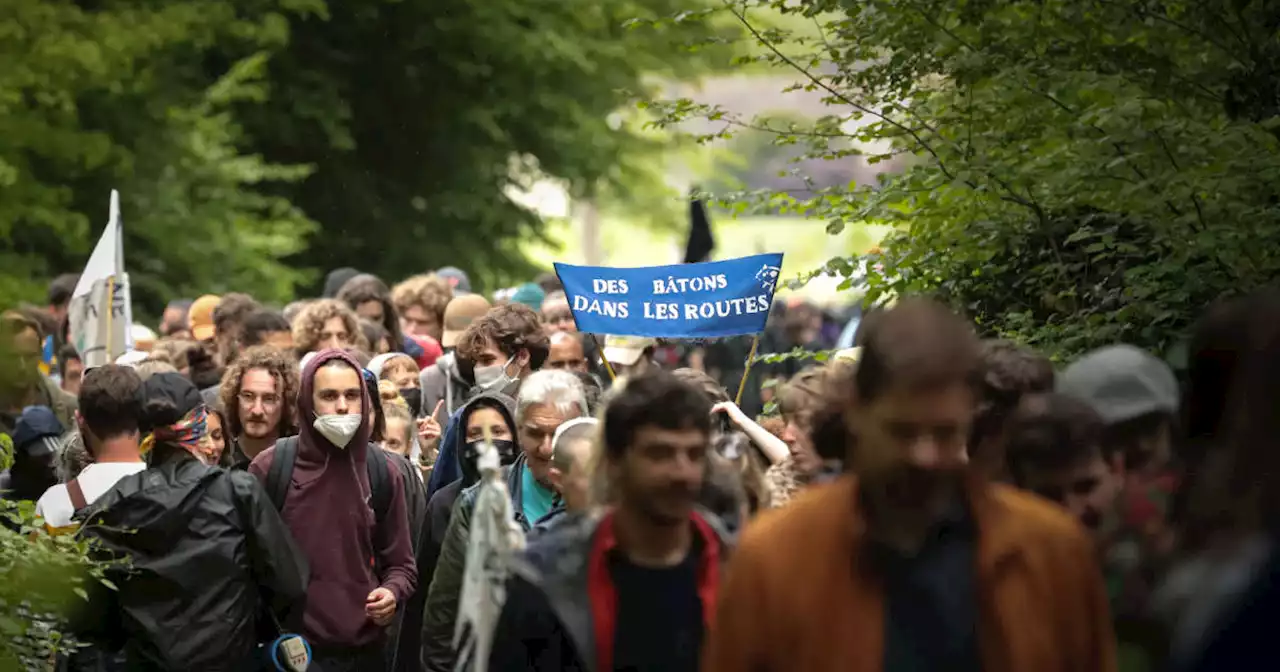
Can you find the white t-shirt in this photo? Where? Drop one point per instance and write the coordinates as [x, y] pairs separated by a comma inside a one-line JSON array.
[[95, 480]]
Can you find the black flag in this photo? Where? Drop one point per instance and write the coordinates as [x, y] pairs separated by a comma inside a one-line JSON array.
[[701, 241]]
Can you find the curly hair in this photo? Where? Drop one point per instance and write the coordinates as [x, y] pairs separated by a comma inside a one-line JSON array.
[[310, 323], [511, 327], [427, 291], [282, 367], [364, 288]]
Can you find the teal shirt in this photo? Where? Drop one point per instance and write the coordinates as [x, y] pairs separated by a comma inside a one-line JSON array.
[[535, 500]]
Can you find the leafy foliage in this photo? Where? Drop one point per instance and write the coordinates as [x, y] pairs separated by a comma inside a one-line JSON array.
[[116, 97], [1081, 172]]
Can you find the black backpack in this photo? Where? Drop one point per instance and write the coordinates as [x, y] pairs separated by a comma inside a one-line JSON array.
[[280, 476]]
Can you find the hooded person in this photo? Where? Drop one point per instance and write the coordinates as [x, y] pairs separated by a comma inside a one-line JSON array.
[[502, 427], [175, 521], [361, 554]]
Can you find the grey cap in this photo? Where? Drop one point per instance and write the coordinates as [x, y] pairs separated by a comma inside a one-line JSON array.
[[457, 279], [1122, 383]]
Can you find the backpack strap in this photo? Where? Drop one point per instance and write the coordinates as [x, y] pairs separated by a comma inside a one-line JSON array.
[[76, 493], [379, 482], [280, 476]]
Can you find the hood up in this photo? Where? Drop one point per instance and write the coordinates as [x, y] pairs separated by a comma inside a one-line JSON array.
[[316, 453], [506, 406]]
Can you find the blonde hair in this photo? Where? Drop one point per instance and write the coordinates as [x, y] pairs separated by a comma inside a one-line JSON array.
[[428, 291], [390, 396]]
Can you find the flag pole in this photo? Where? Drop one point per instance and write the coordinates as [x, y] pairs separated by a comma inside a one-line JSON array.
[[751, 356], [111, 309], [607, 366]]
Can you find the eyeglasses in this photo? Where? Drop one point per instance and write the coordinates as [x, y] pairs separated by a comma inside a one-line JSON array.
[[249, 399]]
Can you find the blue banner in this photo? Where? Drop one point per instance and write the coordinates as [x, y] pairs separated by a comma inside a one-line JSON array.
[[716, 298]]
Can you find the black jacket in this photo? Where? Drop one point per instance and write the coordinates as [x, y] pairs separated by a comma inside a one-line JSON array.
[[403, 654], [212, 569]]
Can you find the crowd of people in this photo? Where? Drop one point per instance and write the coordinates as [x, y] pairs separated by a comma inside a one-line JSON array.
[[923, 500]]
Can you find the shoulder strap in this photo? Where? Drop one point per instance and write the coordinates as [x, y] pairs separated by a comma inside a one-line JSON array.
[[379, 482], [280, 475], [76, 493]]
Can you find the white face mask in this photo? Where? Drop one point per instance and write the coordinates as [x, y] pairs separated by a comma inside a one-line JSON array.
[[338, 428], [495, 377]]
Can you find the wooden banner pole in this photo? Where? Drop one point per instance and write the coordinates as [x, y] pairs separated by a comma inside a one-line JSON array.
[[746, 372], [607, 366]]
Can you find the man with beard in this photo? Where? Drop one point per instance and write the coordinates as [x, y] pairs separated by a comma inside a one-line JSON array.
[[258, 395], [633, 588], [913, 561]]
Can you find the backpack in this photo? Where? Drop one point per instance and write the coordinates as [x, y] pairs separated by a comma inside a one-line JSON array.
[[280, 475]]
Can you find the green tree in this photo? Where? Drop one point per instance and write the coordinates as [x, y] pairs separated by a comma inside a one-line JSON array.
[[1082, 171], [118, 96], [418, 116]]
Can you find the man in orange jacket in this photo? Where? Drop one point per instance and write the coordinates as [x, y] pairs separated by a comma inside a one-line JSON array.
[[915, 563]]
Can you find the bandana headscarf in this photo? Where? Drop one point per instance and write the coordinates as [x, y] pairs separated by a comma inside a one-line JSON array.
[[191, 433]]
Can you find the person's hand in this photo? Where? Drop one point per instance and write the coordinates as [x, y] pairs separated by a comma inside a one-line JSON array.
[[730, 409], [380, 606], [429, 430]]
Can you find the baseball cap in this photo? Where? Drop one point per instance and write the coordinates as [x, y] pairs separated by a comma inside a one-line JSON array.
[[459, 314], [37, 431], [626, 350], [456, 278], [1121, 382], [200, 317]]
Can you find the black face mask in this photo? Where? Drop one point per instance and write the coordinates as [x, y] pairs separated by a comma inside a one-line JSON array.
[[470, 471], [413, 397]]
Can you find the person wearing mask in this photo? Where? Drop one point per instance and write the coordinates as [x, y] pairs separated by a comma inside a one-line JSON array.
[[361, 555], [567, 353], [259, 395], [325, 324], [556, 315], [506, 345], [70, 370], [547, 400], [172, 523], [420, 303], [916, 559], [570, 474], [22, 384], [110, 412], [630, 355], [450, 379], [267, 327], [635, 587], [492, 411]]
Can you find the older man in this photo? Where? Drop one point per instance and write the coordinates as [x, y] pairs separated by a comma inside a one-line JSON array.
[[547, 399], [567, 353]]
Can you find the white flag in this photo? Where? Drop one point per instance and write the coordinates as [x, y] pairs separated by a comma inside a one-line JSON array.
[[495, 537], [101, 311]]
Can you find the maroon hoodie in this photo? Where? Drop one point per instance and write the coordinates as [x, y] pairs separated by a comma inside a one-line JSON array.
[[329, 512]]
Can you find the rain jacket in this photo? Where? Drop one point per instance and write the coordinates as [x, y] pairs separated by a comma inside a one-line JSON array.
[[446, 586], [561, 606], [213, 569]]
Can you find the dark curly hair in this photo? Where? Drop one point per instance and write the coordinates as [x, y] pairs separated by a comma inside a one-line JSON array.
[[282, 367], [511, 327]]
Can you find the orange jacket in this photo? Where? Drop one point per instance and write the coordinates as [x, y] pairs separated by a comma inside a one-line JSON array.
[[796, 599]]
